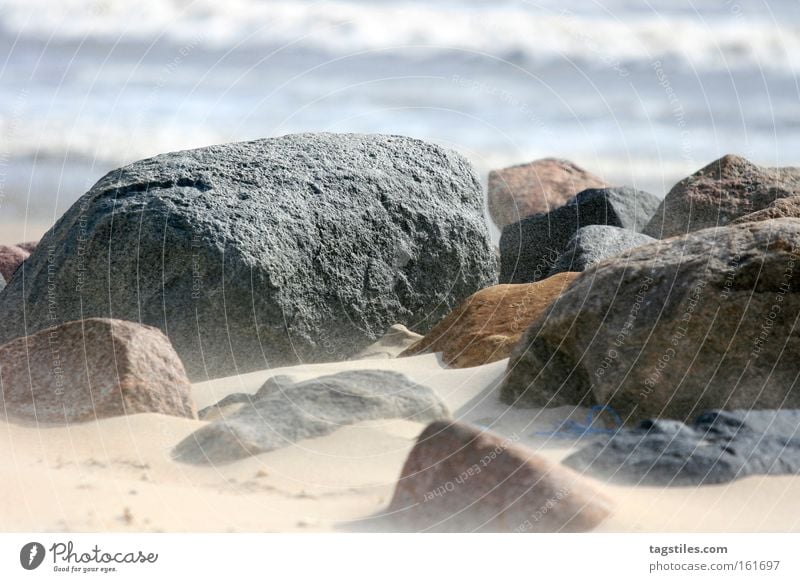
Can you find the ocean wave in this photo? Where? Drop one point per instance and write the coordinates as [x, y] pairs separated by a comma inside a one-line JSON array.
[[732, 34]]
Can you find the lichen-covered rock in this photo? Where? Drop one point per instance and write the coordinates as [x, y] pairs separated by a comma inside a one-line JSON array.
[[536, 187], [265, 253], [282, 413], [719, 193], [667, 330], [487, 326], [94, 368], [718, 447], [595, 243], [460, 479], [529, 248]]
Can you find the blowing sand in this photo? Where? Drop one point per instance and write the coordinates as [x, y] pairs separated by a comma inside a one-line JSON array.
[[117, 474]]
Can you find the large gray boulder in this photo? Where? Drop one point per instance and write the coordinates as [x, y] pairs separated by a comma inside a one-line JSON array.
[[265, 253], [529, 248], [673, 328], [282, 413], [716, 195], [595, 243], [718, 447]]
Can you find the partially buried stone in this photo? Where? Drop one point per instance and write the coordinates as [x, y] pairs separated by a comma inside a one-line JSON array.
[[282, 413]]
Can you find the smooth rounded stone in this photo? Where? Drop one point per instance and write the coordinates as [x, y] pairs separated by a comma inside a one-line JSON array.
[[781, 208], [283, 413], [536, 187], [301, 248], [487, 326], [458, 478], [717, 448], [724, 190], [530, 248], [11, 257], [90, 369], [595, 243], [669, 329], [396, 339]]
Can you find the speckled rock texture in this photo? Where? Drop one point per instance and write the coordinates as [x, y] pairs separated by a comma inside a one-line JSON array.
[[460, 479], [11, 257], [266, 253], [487, 326], [530, 248], [781, 208], [282, 413], [719, 193], [667, 330], [534, 188], [94, 368], [718, 447], [595, 243], [396, 339]]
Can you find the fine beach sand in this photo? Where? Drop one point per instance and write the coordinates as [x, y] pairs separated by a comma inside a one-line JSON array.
[[117, 475]]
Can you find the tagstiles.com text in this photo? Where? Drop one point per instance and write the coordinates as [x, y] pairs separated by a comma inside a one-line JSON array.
[[683, 551]]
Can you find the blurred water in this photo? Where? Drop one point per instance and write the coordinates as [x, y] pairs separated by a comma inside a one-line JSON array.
[[641, 92]]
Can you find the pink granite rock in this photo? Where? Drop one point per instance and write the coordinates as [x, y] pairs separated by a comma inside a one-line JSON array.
[[93, 368], [460, 479]]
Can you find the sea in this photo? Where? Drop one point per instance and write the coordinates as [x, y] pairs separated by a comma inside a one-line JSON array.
[[641, 92]]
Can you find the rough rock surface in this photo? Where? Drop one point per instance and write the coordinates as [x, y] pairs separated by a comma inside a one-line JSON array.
[[719, 193], [536, 187], [282, 413], [529, 248], [459, 479], [487, 326], [595, 243], [94, 368], [781, 208], [28, 246], [670, 329], [396, 339], [718, 447], [266, 253], [11, 257]]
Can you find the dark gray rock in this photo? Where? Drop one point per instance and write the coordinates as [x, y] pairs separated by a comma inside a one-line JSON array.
[[718, 447], [595, 243], [529, 248], [282, 413], [704, 321], [266, 253], [723, 191]]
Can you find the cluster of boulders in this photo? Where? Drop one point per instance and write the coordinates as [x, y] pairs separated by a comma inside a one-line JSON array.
[[306, 248]]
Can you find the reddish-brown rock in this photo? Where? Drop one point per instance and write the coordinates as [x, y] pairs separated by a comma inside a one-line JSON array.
[[539, 186], [94, 368], [459, 479], [781, 208], [11, 258], [487, 325], [28, 246], [719, 193]]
